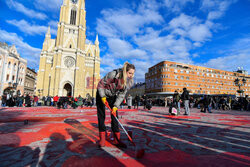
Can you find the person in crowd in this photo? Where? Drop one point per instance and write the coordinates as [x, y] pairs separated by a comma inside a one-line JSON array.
[[111, 90], [229, 102], [27, 101], [8, 99], [176, 101], [245, 102], [206, 101], [166, 101], [1, 101], [35, 101], [89, 100], [4, 100], [185, 99], [129, 101], [80, 101], [55, 99], [74, 103], [145, 98], [222, 103], [137, 101]]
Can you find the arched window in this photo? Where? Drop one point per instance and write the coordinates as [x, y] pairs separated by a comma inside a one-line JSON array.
[[7, 77], [70, 46], [73, 17], [9, 65], [15, 66]]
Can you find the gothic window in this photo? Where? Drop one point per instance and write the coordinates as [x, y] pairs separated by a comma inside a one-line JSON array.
[[7, 77], [73, 17], [70, 46]]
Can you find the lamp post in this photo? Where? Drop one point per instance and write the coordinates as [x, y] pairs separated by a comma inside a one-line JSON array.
[[240, 83]]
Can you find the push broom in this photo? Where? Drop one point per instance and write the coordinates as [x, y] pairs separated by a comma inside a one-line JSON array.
[[138, 153]]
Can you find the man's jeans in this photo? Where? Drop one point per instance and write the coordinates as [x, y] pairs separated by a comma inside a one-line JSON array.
[[186, 105], [178, 105]]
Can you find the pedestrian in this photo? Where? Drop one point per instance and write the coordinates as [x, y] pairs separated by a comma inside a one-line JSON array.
[[111, 90], [137, 101], [176, 101], [4, 100], [80, 101], [55, 99], [166, 101], [35, 101], [145, 98], [129, 101], [27, 100], [185, 99]]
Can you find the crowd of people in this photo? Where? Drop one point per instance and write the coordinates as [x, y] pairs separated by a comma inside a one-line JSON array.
[[204, 103], [9, 100]]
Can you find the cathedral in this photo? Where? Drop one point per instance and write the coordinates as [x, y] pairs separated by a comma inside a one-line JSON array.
[[68, 65]]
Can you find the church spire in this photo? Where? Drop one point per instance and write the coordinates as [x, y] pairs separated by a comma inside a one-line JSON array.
[[97, 40], [48, 33]]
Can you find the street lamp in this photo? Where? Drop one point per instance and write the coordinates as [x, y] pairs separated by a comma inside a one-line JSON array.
[[240, 84]]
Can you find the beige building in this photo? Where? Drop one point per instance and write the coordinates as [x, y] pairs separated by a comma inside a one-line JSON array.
[[166, 77], [69, 66], [30, 82], [12, 70]]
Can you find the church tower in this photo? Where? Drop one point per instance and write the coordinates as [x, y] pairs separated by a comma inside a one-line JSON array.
[[68, 65]]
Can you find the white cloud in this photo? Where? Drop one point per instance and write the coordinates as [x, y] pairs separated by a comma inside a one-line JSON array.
[[26, 11], [141, 69], [176, 5], [200, 33], [191, 27], [51, 5], [141, 31], [237, 55], [26, 51], [29, 29], [127, 22], [216, 8], [122, 49], [230, 63]]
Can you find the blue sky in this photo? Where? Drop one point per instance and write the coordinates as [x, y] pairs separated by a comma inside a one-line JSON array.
[[211, 33]]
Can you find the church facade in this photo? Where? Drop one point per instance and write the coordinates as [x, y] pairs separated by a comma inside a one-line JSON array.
[[68, 65]]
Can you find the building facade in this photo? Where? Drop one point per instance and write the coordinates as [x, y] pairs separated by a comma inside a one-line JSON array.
[[30, 82], [68, 65], [166, 77], [12, 70], [137, 89]]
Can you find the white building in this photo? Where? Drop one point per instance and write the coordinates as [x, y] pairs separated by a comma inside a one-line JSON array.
[[12, 70]]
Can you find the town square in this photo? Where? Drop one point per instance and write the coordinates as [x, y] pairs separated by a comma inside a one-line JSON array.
[[124, 83]]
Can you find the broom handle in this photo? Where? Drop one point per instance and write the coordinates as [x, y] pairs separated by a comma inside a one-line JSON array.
[[130, 139]]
